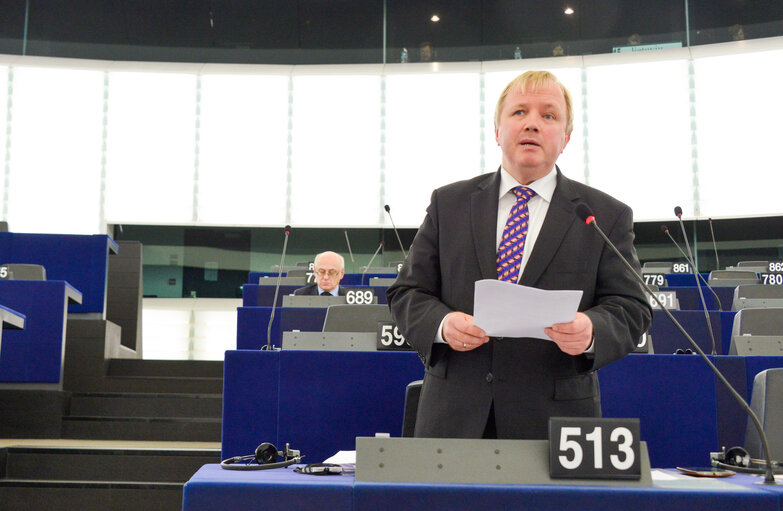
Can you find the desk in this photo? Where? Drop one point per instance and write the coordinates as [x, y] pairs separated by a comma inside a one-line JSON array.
[[252, 324], [667, 338], [349, 279], [10, 319], [35, 354], [254, 295], [320, 401], [689, 298], [82, 260], [214, 489]]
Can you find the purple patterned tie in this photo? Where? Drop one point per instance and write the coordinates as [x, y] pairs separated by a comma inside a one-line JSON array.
[[512, 243]]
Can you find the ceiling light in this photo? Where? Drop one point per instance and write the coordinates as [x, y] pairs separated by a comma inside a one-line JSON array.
[[435, 18], [568, 11]]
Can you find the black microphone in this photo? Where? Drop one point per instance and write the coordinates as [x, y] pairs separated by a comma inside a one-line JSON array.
[[388, 211], [695, 271], [380, 245], [714, 294], [268, 346], [714, 245], [583, 211]]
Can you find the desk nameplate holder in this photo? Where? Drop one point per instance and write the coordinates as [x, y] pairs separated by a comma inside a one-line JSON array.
[[468, 461], [382, 281], [329, 341], [312, 301], [757, 345], [284, 281]]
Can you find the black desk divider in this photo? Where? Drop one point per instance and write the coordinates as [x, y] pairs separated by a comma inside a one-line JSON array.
[[465, 461]]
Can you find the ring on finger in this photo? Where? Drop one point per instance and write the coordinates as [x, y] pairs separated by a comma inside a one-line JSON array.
[[464, 346]]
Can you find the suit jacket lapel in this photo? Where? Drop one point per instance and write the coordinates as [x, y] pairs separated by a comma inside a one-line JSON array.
[[559, 218], [483, 218]]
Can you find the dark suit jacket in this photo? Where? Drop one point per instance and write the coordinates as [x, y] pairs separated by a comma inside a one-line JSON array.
[[528, 380], [312, 289]]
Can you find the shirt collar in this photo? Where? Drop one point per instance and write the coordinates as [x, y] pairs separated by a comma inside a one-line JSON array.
[[544, 187], [332, 292]]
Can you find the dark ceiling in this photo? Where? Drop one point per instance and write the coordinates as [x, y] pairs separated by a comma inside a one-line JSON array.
[[60, 27]]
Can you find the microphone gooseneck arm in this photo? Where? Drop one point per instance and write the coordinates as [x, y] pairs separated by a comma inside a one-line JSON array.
[[350, 252], [277, 290], [380, 246], [699, 275], [388, 211], [714, 246], [695, 271], [769, 477]]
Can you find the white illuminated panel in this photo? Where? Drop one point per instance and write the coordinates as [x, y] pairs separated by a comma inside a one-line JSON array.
[[151, 147], [243, 151], [571, 162], [336, 150], [738, 115], [55, 150], [639, 134], [214, 332], [432, 138], [189, 328], [3, 132]]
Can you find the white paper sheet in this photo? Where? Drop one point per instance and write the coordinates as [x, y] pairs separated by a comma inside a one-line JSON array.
[[503, 309]]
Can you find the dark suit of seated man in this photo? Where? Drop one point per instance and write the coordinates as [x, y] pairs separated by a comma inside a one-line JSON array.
[[517, 225], [329, 269]]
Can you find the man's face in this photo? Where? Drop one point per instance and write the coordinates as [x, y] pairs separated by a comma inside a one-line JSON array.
[[532, 131], [327, 272]]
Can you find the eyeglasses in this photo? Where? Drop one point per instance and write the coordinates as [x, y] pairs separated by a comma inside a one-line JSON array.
[[323, 273]]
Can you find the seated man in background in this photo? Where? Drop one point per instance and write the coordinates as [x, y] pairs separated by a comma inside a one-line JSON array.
[[329, 269]]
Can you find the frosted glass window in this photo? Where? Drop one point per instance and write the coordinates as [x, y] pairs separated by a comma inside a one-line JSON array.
[[55, 154], [432, 138], [639, 123], [738, 112], [336, 150], [150, 147], [243, 153], [571, 162], [3, 132]]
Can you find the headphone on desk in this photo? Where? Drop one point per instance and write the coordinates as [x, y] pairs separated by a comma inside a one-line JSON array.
[[265, 457], [738, 459]]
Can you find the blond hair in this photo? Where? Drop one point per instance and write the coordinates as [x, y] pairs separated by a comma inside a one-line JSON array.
[[535, 80]]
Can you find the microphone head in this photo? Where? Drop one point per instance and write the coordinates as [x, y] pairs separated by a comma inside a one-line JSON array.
[[287, 229], [584, 212], [678, 211], [387, 208], [664, 229]]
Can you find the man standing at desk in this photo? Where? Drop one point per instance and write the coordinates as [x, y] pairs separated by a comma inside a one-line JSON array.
[[329, 269], [517, 224]]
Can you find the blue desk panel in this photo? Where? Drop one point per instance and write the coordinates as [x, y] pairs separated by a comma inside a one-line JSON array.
[[428, 497], [35, 354], [318, 401], [689, 298], [82, 260], [667, 338], [214, 489]]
